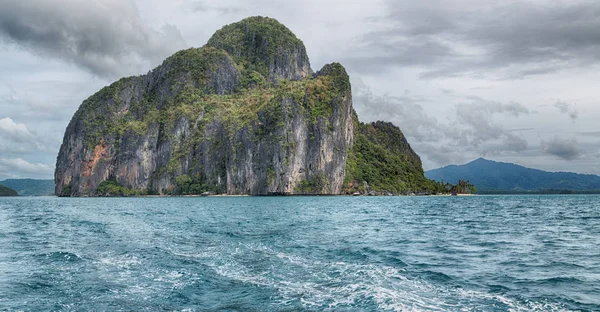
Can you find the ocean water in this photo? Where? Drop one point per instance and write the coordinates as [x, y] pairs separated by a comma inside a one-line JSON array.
[[482, 253]]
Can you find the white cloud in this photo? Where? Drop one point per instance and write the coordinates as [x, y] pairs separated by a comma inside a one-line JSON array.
[[16, 131], [15, 138], [20, 168]]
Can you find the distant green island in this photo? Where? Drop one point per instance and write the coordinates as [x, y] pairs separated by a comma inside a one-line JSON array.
[[30, 187], [5, 191], [491, 177]]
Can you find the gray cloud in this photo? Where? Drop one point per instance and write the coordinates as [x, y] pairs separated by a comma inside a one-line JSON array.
[[405, 111], [567, 109], [515, 143], [562, 107], [520, 129], [107, 38], [567, 149], [574, 115], [45, 100], [440, 154], [478, 125], [590, 133], [203, 6], [473, 128], [507, 39]]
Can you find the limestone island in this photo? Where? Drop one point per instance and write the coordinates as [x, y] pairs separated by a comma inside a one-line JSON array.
[[243, 115]]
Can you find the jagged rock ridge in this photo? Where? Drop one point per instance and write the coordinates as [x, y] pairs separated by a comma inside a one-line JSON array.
[[245, 114]]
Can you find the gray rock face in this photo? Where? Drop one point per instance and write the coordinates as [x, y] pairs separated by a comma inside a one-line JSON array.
[[194, 125]]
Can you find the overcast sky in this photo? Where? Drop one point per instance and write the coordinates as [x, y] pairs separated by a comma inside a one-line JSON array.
[[512, 81]]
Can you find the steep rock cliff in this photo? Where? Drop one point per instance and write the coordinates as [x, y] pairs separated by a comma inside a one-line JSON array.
[[242, 115]]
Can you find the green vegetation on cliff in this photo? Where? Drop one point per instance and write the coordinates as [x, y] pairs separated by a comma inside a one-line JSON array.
[[382, 161], [5, 191], [193, 97], [111, 188], [256, 43]]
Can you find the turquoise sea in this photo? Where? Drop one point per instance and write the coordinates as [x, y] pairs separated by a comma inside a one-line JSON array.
[[481, 253]]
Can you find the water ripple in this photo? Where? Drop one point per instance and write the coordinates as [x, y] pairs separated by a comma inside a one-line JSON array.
[[485, 253]]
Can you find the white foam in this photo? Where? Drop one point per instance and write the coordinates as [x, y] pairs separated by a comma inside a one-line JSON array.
[[120, 261], [320, 284]]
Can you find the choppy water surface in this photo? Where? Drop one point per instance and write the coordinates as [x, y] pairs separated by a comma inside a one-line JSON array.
[[487, 253]]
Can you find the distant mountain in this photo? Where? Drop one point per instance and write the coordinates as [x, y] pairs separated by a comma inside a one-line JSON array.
[[489, 175], [5, 191], [30, 187]]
